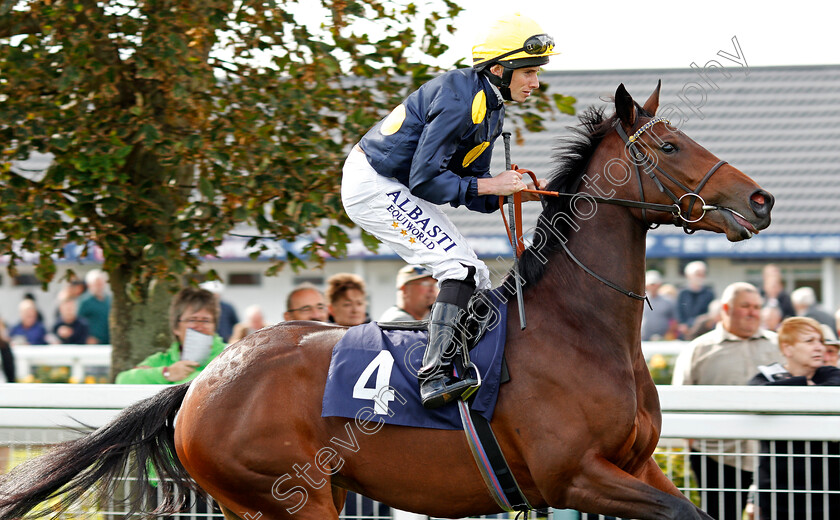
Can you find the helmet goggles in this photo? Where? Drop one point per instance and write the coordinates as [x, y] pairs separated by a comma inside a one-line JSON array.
[[537, 45]]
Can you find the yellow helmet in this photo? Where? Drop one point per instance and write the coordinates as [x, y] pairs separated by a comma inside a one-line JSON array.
[[514, 41]]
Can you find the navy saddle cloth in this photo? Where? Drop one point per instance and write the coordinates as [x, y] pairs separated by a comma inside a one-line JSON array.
[[373, 374]]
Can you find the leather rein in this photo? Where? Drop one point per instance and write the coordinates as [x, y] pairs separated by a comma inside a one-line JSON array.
[[638, 156]]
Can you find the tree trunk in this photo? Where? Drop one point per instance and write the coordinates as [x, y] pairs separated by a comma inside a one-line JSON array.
[[138, 328]]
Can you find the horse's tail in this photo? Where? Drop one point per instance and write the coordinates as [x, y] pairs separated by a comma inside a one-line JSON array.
[[140, 437]]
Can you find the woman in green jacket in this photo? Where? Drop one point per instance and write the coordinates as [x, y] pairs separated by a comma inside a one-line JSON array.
[[191, 309]]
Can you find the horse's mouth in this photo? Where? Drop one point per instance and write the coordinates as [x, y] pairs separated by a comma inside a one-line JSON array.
[[737, 227]]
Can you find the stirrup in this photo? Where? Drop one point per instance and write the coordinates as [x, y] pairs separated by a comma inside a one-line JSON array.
[[442, 393], [474, 387]]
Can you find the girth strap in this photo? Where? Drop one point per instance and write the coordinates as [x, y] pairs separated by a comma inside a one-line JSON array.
[[491, 461]]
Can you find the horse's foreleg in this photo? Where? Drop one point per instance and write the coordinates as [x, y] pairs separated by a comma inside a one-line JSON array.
[[229, 515], [339, 497], [603, 488], [652, 474]]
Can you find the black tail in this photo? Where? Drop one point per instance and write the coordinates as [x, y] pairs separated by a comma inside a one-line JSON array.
[[142, 435]]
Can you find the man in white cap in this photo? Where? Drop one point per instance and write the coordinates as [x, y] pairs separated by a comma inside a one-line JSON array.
[[416, 292]]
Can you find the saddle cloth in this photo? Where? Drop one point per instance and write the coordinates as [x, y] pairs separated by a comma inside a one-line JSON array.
[[373, 374]]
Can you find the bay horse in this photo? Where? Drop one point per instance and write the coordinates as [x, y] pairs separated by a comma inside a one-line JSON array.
[[578, 421]]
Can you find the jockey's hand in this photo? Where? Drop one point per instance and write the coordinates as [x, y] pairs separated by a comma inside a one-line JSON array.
[[541, 184], [506, 183]]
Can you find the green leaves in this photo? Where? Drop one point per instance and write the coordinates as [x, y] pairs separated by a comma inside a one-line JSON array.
[[166, 128], [565, 104]]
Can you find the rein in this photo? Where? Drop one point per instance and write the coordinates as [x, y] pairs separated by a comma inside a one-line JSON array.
[[650, 168]]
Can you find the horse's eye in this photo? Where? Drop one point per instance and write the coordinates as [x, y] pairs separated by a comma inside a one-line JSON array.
[[668, 148]]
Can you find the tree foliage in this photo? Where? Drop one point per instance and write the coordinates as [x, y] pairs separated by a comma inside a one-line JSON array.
[[171, 121]]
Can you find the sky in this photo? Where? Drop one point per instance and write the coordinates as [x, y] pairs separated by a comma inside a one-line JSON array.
[[611, 34]]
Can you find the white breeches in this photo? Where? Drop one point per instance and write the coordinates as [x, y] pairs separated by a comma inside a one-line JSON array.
[[417, 230]]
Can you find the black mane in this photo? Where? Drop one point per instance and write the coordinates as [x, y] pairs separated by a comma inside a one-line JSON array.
[[553, 225]]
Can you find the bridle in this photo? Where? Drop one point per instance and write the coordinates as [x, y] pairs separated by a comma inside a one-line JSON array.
[[650, 167], [638, 156]]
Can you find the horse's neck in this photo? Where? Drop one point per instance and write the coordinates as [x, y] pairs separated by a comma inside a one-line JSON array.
[[612, 244]]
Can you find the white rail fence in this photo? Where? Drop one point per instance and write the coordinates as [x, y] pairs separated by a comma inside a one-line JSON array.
[[39, 414], [82, 358]]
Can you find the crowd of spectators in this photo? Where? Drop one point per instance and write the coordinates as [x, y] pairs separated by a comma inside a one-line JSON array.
[[83, 308], [731, 339], [762, 336]]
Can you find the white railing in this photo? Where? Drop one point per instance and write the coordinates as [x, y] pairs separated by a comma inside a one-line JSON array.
[[82, 357], [42, 411], [716, 412], [78, 357]]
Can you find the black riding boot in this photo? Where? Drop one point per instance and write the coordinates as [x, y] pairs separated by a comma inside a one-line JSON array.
[[438, 385]]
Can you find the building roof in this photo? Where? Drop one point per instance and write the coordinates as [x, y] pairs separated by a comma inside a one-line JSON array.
[[780, 125]]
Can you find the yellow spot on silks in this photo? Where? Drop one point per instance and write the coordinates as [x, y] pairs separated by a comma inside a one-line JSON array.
[[474, 153], [479, 107], [394, 121]]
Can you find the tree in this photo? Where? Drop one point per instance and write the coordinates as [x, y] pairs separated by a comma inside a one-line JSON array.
[[171, 121]]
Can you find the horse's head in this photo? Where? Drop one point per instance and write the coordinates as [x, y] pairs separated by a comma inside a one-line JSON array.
[[657, 163]]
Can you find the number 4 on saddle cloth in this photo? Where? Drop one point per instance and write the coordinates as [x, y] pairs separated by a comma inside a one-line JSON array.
[[373, 371]]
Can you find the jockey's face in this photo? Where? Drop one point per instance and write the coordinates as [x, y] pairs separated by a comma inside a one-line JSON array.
[[523, 82]]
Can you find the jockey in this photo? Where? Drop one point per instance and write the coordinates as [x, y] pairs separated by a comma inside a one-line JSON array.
[[434, 148]]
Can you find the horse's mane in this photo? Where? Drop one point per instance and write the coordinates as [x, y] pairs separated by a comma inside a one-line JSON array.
[[572, 156]]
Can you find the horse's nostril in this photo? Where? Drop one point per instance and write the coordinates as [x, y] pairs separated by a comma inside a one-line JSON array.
[[758, 198]]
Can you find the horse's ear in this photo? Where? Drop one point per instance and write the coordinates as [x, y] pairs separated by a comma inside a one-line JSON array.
[[625, 107], [652, 104]]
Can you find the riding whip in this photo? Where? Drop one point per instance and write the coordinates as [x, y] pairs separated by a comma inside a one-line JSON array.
[[512, 214]]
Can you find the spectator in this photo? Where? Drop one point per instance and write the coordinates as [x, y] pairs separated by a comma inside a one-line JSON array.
[[832, 346], [805, 304], [306, 302], [659, 320], [668, 290], [75, 288], [95, 306], [727, 355], [72, 290], [771, 317], [705, 322], [693, 300], [346, 299], [30, 296], [70, 329], [416, 292], [30, 330], [773, 290], [227, 314], [191, 309], [254, 321], [801, 343]]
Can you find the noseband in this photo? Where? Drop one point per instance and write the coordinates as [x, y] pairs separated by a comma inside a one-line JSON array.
[[638, 156]]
